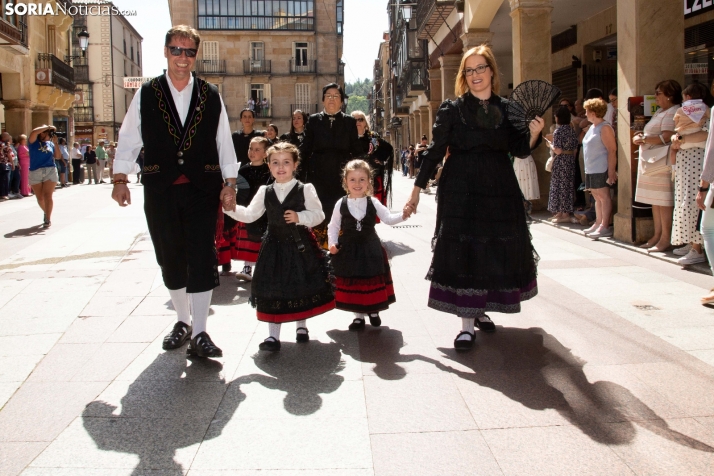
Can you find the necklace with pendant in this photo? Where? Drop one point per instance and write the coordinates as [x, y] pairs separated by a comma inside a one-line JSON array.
[[483, 103]]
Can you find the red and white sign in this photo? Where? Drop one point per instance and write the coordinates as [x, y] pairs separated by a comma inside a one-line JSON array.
[[135, 82], [696, 68]]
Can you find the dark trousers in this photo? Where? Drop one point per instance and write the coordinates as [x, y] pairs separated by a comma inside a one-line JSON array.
[[76, 171], [182, 225], [5, 180], [15, 181]]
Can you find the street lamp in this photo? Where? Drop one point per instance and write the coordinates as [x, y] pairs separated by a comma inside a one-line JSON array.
[[83, 43]]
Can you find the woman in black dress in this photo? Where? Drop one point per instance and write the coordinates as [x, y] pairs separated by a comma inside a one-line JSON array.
[[483, 256], [330, 142], [379, 156], [297, 129]]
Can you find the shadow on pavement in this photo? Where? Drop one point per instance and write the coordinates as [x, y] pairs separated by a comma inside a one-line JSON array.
[[533, 368], [395, 248], [231, 292], [303, 371], [162, 412], [22, 232]]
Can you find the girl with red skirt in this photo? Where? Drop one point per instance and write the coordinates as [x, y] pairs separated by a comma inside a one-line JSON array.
[[363, 279], [292, 281]]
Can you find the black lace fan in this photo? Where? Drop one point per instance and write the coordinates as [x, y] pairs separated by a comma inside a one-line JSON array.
[[530, 99]]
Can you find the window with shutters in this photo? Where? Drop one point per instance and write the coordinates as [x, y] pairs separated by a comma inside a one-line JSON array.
[[51, 38], [210, 50], [303, 99]]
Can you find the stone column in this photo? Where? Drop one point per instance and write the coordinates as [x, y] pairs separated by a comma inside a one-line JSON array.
[[412, 131], [643, 60], [18, 116], [41, 115], [426, 122], [475, 38], [531, 25], [449, 70], [435, 98]]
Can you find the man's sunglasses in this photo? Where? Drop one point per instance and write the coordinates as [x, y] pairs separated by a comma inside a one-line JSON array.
[[176, 51]]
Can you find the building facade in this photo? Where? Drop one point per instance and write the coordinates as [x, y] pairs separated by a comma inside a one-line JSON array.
[[114, 52], [281, 51], [35, 73], [625, 44]]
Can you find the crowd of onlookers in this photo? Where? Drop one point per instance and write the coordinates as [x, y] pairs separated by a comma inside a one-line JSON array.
[[672, 151], [410, 162]]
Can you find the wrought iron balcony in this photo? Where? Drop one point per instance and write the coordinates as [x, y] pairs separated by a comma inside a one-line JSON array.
[[415, 78], [253, 66], [83, 114], [52, 71], [14, 34], [303, 67], [306, 108], [211, 66], [430, 15]]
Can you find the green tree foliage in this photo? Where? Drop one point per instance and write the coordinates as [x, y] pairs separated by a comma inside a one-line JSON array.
[[358, 92]]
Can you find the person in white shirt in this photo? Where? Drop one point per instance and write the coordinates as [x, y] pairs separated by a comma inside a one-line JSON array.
[[77, 156], [181, 123]]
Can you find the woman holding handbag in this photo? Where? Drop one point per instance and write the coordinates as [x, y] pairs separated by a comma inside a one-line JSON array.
[[654, 176]]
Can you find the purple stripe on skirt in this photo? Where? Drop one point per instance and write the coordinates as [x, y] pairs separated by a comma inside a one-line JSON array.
[[476, 302]]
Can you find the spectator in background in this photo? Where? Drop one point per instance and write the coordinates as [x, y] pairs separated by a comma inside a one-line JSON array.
[[418, 153], [564, 145], [44, 151], [405, 161], [596, 93], [111, 152], [265, 107], [90, 159], [297, 129], [271, 133], [63, 162], [7, 157], [140, 161], [600, 152], [23, 157], [101, 160], [410, 162], [77, 157], [15, 174]]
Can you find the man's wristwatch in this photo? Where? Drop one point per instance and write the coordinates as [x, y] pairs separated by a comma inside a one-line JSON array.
[[228, 184]]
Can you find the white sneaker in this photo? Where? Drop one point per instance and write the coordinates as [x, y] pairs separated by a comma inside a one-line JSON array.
[[691, 258], [600, 233], [683, 250]]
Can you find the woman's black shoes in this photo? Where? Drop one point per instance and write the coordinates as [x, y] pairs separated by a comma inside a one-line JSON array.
[[357, 325], [375, 320], [177, 337], [203, 346], [302, 337], [464, 344], [485, 324], [270, 344]]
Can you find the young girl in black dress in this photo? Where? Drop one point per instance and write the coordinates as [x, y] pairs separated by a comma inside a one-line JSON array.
[[364, 282], [291, 280], [250, 235]]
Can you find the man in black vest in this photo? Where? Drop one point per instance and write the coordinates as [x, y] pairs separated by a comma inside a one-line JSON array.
[[189, 168]]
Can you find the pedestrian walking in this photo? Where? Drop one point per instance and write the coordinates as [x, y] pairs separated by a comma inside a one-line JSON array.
[[43, 177], [330, 142], [183, 182], [364, 283], [90, 159], [101, 160], [291, 280], [483, 256], [77, 158], [249, 235]]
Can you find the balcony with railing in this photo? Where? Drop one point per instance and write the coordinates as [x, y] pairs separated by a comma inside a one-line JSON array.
[[431, 14], [257, 66], [415, 78], [52, 71], [263, 112], [211, 66], [302, 66], [306, 108], [83, 114], [14, 34]]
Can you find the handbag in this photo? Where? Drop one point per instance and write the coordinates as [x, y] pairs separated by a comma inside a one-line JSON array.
[[654, 160], [549, 164]]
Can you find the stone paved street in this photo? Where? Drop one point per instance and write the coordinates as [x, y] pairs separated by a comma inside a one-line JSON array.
[[609, 370]]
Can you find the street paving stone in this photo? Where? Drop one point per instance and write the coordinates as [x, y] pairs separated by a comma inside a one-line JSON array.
[[609, 370]]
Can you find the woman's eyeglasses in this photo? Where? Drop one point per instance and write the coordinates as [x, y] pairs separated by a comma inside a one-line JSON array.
[[333, 96], [177, 50], [478, 70], [360, 119]]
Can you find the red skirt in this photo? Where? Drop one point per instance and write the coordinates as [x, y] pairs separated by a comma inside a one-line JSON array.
[[225, 245], [365, 295], [297, 316], [246, 247]]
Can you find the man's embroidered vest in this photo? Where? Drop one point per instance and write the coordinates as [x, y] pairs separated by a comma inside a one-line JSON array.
[[171, 148]]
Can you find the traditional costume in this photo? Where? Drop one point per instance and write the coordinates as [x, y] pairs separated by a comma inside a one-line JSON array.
[[295, 138], [249, 236], [188, 152], [483, 256], [291, 280], [330, 142], [380, 157], [363, 279]]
